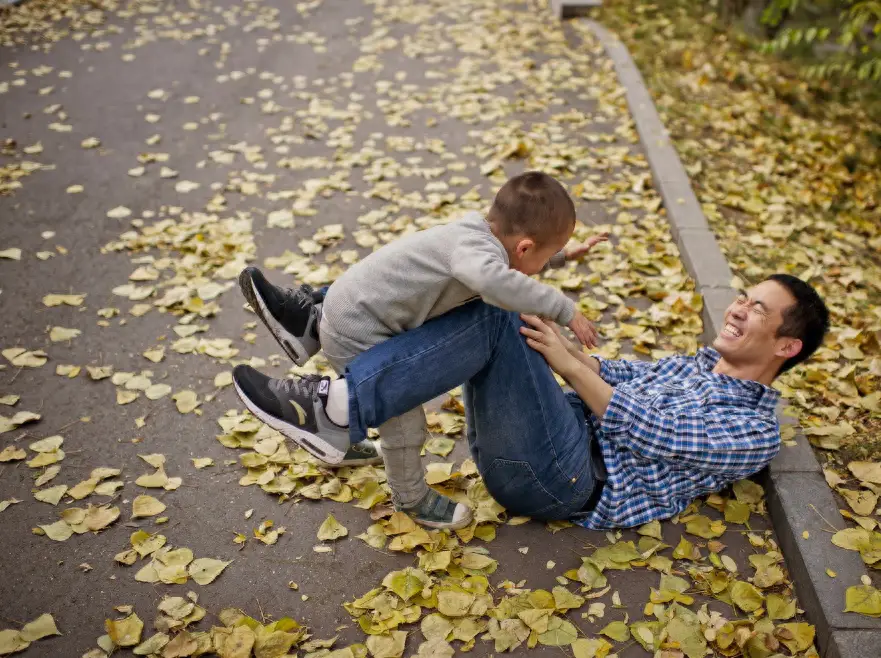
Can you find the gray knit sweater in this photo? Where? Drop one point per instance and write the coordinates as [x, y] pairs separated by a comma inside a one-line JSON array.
[[428, 273]]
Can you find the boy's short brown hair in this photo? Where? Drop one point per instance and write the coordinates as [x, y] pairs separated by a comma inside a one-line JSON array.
[[533, 204]]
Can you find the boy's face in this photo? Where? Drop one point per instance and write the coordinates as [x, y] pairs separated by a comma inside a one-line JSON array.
[[529, 257]]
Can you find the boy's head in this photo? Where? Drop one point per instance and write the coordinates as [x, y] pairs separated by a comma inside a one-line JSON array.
[[534, 217]]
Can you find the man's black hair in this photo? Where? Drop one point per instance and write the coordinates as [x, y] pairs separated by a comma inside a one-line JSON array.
[[807, 319]]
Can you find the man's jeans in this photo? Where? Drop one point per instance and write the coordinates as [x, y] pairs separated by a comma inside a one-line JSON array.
[[529, 439]]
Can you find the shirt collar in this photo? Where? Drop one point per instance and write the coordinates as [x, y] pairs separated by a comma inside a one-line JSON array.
[[765, 397]]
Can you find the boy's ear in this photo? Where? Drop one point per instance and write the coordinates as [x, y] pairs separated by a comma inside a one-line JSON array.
[[523, 246]]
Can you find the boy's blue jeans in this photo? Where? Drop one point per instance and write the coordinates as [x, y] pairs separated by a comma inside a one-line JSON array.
[[529, 439]]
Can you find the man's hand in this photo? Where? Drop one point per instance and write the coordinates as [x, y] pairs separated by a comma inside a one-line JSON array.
[[584, 330], [581, 250], [547, 342]]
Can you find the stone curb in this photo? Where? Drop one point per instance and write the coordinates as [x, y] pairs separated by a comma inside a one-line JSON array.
[[799, 500]]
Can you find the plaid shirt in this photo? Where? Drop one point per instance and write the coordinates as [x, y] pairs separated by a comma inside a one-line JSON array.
[[674, 430]]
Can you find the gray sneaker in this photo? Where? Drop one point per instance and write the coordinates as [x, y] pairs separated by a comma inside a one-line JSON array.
[[437, 511], [365, 453], [291, 315], [295, 407]]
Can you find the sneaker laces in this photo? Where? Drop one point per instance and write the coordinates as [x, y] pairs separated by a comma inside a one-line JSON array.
[[302, 295], [302, 386]]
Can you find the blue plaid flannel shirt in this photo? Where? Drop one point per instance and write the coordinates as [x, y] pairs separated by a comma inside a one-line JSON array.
[[673, 431]]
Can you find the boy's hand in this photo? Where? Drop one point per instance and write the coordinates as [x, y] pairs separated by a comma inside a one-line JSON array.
[[584, 330], [577, 252]]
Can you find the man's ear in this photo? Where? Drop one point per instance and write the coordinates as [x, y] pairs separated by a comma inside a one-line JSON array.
[[789, 348]]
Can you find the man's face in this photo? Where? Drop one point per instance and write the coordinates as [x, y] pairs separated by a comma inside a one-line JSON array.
[[749, 336]]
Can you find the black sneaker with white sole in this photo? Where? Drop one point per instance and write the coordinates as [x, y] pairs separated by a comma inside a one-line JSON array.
[[295, 407], [290, 314]]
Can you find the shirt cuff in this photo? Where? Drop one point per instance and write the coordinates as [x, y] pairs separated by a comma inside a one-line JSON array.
[[617, 418], [611, 370]]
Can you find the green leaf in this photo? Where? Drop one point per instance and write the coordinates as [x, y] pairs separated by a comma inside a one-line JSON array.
[[617, 630], [745, 596], [42, 626], [685, 629], [595, 647], [780, 607], [796, 636], [406, 583], [560, 633], [703, 526], [863, 599], [747, 491], [11, 641], [387, 646], [736, 512], [591, 575], [565, 600], [331, 529], [125, 632], [204, 570]]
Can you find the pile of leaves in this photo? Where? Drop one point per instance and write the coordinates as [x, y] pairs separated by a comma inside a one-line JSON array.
[[789, 182]]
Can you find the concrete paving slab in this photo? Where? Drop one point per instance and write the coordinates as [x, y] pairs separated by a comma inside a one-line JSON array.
[[854, 644]]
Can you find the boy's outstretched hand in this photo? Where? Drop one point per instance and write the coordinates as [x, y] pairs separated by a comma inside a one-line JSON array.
[[584, 330], [577, 252]]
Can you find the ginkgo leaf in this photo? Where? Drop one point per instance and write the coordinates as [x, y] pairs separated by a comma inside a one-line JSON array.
[[11, 641], [406, 583], [863, 599], [51, 495], [560, 633], [331, 529], [617, 630], [42, 626], [387, 646], [186, 401], [119, 212], [866, 471], [58, 531], [143, 506], [59, 299], [204, 570], [125, 632], [746, 597]]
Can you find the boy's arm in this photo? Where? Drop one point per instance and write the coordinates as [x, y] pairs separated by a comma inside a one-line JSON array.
[[482, 266]]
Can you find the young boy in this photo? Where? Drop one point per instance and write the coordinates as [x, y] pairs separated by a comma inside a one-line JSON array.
[[398, 288]]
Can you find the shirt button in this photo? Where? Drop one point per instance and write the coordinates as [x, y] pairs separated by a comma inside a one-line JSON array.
[[574, 480]]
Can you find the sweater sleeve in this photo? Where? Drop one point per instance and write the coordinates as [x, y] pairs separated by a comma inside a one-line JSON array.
[[481, 264]]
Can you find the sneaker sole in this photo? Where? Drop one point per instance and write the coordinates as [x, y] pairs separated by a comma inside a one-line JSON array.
[[440, 525], [311, 443], [292, 346]]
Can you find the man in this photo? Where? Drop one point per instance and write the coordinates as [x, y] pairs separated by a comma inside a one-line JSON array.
[[637, 441]]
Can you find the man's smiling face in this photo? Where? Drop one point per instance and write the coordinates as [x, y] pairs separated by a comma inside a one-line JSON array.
[[752, 321]]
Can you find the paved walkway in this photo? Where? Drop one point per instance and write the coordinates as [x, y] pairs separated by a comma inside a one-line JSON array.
[[154, 150]]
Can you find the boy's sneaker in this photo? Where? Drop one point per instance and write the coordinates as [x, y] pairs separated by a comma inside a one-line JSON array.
[[437, 511], [295, 407], [365, 453], [291, 315]]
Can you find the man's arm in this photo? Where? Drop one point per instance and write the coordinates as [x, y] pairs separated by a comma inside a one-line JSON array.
[[618, 371], [480, 265], [712, 439]]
